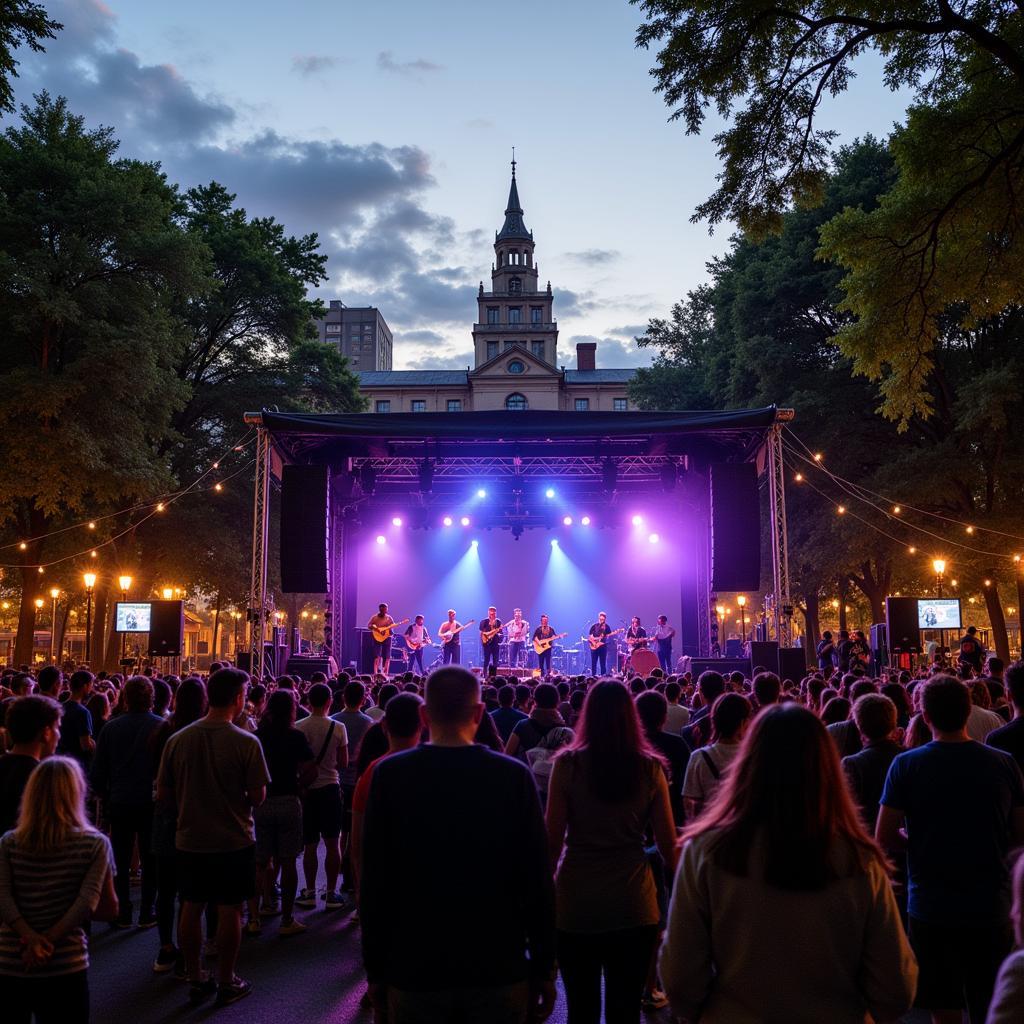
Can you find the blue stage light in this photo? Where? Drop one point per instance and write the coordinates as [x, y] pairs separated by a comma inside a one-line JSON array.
[[481, 493], [554, 542], [549, 493]]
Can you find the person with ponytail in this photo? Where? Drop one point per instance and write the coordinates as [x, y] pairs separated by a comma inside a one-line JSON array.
[[778, 871]]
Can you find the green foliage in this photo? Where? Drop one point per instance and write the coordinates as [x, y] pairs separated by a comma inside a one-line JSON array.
[[22, 23]]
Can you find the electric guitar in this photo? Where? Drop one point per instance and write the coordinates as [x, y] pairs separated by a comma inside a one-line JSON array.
[[540, 646], [487, 635], [453, 633], [597, 642], [415, 645], [382, 633]]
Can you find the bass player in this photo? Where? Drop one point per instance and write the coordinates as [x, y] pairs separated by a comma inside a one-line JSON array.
[[490, 640]]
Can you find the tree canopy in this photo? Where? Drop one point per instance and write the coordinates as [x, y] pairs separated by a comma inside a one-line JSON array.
[[22, 23]]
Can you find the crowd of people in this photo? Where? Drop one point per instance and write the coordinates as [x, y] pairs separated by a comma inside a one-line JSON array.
[[837, 848]]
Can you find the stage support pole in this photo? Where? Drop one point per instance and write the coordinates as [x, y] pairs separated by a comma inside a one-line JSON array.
[[260, 531], [782, 606]]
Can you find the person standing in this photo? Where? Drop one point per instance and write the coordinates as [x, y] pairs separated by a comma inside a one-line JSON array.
[[544, 632], [123, 773], [825, 652], [663, 634], [490, 647], [33, 726], [419, 637], [505, 716], [518, 631], [600, 630], [866, 770], [451, 649], [606, 789], [356, 724], [76, 735], [962, 807], [971, 653], [636, 635], [454, 808], [215, 775], [55, 872], [381, 648], [1010, 738]]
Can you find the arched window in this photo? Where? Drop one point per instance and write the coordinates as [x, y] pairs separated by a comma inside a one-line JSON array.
[[515, 402], [516, 366]]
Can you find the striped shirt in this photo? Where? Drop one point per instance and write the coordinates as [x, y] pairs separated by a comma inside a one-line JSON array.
[[42, 889]]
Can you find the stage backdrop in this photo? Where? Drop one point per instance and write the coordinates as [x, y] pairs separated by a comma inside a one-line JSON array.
[[617, 570]]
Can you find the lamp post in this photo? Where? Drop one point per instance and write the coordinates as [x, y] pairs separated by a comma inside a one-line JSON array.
[[39, 607], [939, 566], [235, 615], [125, 583], [742, 602], [168, 593], [90, 582], [305, 618], [54, 594]]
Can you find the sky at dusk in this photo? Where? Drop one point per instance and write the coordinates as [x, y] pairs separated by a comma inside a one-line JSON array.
[[387, 128]]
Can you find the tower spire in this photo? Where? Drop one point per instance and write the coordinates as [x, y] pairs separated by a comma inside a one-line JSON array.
[[514, 226]]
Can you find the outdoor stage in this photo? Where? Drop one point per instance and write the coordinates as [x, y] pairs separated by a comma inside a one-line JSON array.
[[560, 513]]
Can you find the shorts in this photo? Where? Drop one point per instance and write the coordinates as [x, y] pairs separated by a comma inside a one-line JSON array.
[[957, 965], [226, 879], [382, 649], [278, 829], [322, 814]]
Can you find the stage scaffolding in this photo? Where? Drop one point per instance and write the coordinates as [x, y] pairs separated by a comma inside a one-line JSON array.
[[645, 449]]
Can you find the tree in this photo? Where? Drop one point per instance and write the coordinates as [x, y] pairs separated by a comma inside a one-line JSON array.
[[91, 259], [22, 23]]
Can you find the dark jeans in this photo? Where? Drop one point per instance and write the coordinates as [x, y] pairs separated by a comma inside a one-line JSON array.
[[544, 661], [61, 999], [600, 655], [665, 657], [491, 657], [416, 658], [502, 1004], [517, 653], [451, 654], [623, 957], [128, 823]]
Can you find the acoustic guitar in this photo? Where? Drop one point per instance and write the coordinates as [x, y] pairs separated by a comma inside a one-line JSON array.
[[448, 637], [382, 633], [597, 642], [487, 635], [415, 645], [540, 646]]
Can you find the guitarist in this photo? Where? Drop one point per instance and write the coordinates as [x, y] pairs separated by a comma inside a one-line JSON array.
[[600, 629], [544, 632], [518, 629], [417, 633], [492, 624], [381, 648], [451, 650]]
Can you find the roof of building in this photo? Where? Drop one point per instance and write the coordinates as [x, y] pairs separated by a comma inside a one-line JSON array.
[[411, 378], [599, 376], [514, 226]]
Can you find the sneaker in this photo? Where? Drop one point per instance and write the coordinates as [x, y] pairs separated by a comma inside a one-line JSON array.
[[165, 960], [254, 928], [306, 898], [335, 900], [291, 927], [238, 988], [146, 921], [655, 999], [270, 908], [201, 990]]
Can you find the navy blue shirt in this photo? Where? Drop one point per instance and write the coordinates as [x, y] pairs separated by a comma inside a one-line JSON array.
[[506, 719], [958, 799], [124, 767], [75, 723], [1011, 739]]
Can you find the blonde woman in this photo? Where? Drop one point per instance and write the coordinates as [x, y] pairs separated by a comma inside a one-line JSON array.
[[56, 873]]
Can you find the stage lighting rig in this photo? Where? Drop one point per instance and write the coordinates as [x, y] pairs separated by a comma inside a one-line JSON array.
[[426, 475], [367, 478], [609, 475], [668, 477]]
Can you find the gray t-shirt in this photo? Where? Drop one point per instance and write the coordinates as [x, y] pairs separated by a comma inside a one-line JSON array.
[[210, 765], [315, 730]]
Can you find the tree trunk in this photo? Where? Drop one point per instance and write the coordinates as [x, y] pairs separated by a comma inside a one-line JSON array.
[[844, 590], [58, 644], [24, 641], [812, 627], [99, 623], [874, 582], [112, 654], [997, 618]]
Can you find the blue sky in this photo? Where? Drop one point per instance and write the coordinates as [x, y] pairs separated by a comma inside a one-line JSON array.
[[387, 127]]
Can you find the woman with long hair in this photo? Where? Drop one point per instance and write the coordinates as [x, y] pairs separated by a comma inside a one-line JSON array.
[[278, 819], [55, 869], [606, 789], [779, 871]]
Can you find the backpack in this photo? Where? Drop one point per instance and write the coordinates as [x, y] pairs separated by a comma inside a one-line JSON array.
[[541, 758]]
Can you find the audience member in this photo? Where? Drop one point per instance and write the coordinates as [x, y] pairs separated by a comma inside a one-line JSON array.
[[1010, 738], [33, 726], [875, 718], [506, 718], [1007, 1006], [76, 736], [730, 717]]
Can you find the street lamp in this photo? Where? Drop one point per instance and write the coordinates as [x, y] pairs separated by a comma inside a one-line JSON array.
[[125, 582], [168, 593], [742, 602], [54, 594], [90, 582]]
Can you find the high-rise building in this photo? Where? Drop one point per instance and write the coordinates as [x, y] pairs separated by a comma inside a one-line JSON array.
[[360, 332]]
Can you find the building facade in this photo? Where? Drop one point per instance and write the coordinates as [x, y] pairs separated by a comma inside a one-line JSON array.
[[360, 332], [515, 349]]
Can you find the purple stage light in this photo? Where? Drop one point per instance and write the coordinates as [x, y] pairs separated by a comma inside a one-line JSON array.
[[447, 520], [381, 539], [567, 521], [397, 521], [464, 520], [554, 542], [638, 520], [549, 493], [585, 521], [654, 538]]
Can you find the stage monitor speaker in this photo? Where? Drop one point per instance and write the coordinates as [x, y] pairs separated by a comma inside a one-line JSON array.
[[305, 511], [901, 624], [792, 663], [764, 654], [167, 629], [735, 527]]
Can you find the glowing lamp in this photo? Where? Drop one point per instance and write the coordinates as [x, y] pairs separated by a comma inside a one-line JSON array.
[[654, 538], [939, 565], [381, 539], [464, 520], [447, 520], [567, 520], [89, 579], [397, 521], [585, 521]]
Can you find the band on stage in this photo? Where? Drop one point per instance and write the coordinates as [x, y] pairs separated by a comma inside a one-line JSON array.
[[643, 651]]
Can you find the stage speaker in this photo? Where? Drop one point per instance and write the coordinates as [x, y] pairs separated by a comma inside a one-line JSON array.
[[764, 654], [167, 629], [305, 511], [735, 527], [792, 663], [879, 645], [901, 624]]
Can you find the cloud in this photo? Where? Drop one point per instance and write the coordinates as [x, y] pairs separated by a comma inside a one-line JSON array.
[[614, 353], [630, 331], [433, 361], [387, 62], [478, 124], [310, 64], [431, 337], [594, 257], [569, 303]]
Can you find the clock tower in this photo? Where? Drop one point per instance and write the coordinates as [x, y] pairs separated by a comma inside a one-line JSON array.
[[515, 313]]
